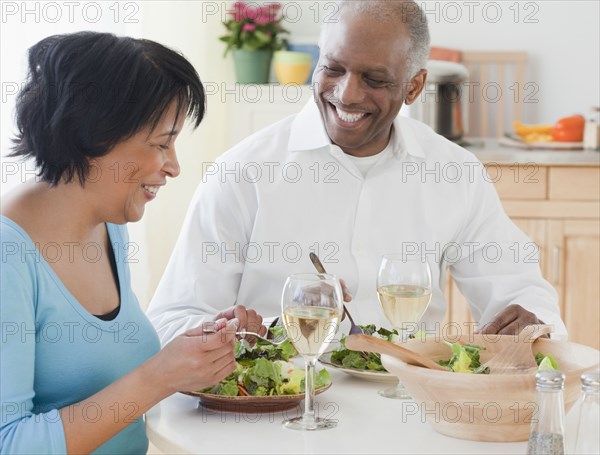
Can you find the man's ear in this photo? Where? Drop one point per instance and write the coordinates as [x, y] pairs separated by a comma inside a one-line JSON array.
[[415, 86]]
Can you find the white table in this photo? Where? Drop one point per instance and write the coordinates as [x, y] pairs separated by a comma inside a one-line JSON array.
[[367, 423]]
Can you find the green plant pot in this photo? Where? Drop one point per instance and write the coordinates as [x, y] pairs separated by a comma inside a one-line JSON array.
[[252, 67]]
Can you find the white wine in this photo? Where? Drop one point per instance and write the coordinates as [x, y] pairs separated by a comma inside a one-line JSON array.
[[403, 303], [311, 329]]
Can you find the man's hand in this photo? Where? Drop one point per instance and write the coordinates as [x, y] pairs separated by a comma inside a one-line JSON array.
[[345, 291], [510, 321], [247, 319]]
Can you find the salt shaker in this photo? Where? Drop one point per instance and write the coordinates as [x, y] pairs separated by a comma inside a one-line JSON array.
[[588, 440], [547, 423]]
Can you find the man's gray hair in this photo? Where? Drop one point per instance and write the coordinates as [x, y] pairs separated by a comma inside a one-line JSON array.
[[400, 12]]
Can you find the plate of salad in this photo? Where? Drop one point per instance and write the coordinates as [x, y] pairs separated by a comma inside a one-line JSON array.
[[264, 380], [363, 365]]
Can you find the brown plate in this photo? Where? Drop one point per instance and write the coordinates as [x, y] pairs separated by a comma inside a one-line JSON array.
[[251, 404]]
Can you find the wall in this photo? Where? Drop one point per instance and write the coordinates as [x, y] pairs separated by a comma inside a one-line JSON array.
[[506, 25], [22, 25], [563, 47]]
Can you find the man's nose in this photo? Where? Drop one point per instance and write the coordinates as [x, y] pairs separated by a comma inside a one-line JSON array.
[[350, 91]]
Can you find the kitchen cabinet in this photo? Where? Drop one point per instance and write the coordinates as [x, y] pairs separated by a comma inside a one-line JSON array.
[[558, 207]]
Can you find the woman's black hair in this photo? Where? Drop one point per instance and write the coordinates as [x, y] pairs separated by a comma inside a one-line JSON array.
[[88, 91]]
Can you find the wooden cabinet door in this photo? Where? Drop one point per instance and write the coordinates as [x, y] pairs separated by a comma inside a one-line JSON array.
[[574, 253], [459, 313]]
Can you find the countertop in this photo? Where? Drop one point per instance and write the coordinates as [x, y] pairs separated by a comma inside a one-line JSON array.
[[493, 152]]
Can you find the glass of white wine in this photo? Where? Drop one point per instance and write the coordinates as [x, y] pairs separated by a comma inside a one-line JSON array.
[[404, 292], [311, 306]]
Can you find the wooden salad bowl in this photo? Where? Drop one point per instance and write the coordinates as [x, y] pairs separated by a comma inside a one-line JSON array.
[[486, 407]]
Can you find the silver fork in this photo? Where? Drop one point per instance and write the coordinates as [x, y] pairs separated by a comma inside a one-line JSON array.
[[354, 328], [276, 341]]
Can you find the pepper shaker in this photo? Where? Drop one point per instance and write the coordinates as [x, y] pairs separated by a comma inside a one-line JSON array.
[[547, 434]]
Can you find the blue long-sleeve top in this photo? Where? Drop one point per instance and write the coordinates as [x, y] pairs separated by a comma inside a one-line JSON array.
[[55, 353]]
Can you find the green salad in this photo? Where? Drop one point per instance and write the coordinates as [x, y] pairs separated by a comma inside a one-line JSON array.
[[545, 362], [362, 360], [264, 370], [465, 359]]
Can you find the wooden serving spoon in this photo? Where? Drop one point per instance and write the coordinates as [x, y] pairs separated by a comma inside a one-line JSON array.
[[514, 351], [373, 344]]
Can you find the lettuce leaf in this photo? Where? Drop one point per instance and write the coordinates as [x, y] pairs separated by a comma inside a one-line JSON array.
[[264, 370], [546, 362], [362, 360], [322, 378], [465, 359]]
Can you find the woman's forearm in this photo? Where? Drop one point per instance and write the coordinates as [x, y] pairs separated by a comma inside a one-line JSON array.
[[90, 423]]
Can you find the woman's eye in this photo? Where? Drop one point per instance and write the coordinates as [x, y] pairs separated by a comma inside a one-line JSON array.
[[164, 146]]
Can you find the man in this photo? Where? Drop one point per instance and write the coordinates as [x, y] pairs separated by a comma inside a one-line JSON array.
[[349, 180]]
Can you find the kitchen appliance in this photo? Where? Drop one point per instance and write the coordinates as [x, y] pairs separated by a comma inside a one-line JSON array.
[[442, 103]]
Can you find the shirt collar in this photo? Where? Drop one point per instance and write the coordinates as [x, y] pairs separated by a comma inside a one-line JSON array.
[[308, 133]]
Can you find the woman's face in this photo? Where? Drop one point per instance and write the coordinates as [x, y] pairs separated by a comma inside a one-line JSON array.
[[132, 172]]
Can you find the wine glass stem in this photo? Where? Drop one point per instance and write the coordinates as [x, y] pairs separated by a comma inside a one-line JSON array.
[[309, 392]]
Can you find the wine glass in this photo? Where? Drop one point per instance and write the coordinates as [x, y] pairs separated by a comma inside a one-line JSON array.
[[311, 306], [404, 292]]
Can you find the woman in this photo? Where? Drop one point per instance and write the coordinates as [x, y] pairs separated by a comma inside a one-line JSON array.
[[80, 361]]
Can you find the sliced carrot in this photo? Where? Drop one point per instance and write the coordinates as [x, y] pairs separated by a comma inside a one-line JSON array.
[[242, 391]]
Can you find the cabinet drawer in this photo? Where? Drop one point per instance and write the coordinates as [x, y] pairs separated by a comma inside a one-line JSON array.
[[528, 181], [575, 183]]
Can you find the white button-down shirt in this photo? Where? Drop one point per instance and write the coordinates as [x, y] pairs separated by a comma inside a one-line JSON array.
[[286, 191]]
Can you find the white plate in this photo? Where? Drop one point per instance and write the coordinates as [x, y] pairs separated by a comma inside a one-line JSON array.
[[510, 142], [368, 375]]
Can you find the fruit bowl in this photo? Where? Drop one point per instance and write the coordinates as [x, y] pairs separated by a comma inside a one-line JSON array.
[[485, 407]]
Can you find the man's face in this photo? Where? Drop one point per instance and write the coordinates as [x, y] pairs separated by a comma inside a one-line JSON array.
[[361, 82]]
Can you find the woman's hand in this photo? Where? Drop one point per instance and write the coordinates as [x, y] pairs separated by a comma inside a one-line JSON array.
[[247, 319], [196, 360]]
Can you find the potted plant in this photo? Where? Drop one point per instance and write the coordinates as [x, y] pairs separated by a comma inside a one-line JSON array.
[[254, 32]]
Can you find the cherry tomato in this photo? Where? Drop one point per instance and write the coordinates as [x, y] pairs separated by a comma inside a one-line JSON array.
[[569, 129]]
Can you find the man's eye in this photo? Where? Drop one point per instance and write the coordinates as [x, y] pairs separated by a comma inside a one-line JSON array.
[[375, 82], [331, 71]]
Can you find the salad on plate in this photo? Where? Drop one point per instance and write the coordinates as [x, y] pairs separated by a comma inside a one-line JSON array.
[[264, 370], [362, 361]]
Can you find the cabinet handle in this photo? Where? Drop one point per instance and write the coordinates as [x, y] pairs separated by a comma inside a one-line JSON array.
[[555, 264]]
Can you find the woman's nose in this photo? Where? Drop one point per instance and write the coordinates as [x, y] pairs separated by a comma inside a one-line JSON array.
[[171, 166]]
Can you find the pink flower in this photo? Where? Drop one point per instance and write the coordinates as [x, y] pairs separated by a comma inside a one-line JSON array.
[[248, 27], [251, 13], [266, 15], [262, 15], [238, 12], [263, 20]]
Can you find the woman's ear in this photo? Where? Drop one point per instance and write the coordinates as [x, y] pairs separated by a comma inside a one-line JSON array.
[[415, 86]]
